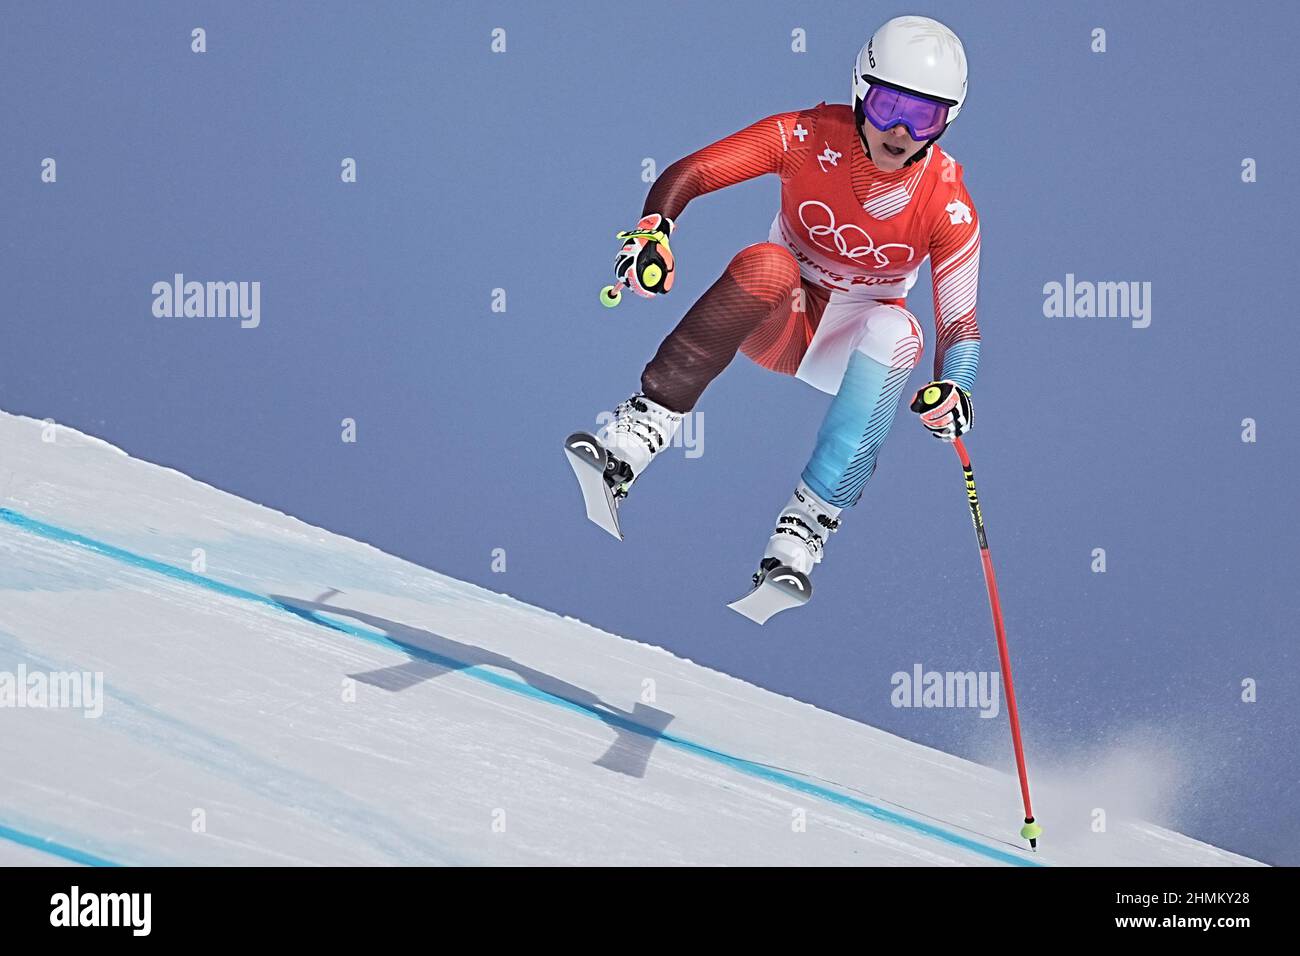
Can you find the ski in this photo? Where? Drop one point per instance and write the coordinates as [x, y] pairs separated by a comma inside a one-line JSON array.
[[778, 588], [589, 461]]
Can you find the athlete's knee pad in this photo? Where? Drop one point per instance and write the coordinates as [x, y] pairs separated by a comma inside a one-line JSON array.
[[766, 271], [891, 336]]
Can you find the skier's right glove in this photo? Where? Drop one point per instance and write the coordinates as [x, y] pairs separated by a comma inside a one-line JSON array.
[[645, 263]]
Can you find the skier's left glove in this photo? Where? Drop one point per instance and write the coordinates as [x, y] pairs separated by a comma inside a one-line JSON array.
[[645, 263], [945, 409]]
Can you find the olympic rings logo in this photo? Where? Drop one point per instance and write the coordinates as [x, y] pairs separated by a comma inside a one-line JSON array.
[[816, 230]]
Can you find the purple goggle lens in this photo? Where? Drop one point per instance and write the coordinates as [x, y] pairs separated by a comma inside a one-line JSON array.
[[886, 107]]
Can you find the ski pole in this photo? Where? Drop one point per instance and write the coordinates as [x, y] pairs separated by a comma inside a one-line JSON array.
[[1031, 831], [610, 296]]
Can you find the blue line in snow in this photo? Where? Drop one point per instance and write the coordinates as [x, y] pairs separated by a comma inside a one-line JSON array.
[[52, 848], [739, 764]]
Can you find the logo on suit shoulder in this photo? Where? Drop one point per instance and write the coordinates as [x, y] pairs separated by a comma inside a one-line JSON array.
[[828, 156]]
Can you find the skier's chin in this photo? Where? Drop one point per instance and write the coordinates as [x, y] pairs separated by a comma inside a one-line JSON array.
[[891, 157]]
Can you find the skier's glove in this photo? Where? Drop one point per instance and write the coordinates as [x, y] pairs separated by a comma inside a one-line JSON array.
[[645, 263], [945, 409]]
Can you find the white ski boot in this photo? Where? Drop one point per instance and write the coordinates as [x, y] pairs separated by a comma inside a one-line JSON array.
[[801, 531], [639, 431], [607, 463], [796, 545]]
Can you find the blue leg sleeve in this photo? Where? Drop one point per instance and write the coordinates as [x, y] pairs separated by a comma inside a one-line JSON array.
[[855, 427]]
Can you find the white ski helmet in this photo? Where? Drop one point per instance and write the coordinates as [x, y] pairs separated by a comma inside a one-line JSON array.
[[915, 55]]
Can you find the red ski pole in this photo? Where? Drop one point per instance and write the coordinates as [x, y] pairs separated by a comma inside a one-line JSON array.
[[1031, 831]]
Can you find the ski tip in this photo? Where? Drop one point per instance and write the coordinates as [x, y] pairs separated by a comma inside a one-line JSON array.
[[780, 589], [587, 458], [739, 607], [585, 445]]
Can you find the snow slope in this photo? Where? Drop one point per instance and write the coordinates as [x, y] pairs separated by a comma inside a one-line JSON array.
[[297, 697]]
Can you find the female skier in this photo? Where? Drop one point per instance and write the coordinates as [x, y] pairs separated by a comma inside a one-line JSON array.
[[866, 198]]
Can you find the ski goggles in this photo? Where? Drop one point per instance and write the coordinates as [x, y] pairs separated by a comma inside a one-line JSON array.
[[888, 106]]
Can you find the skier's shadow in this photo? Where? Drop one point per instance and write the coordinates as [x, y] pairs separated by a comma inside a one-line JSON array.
[[433, 655]]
